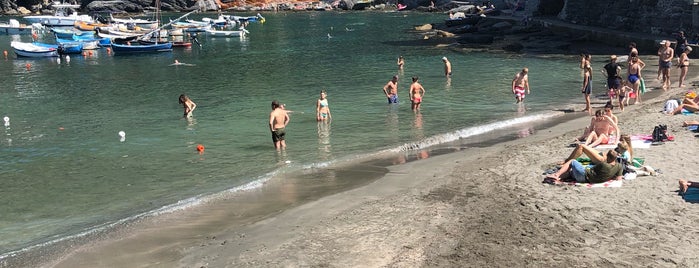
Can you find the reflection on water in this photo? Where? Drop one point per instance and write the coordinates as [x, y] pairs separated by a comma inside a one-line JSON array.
[[418, 133], [392, 122], [447, 84], [324, 151]]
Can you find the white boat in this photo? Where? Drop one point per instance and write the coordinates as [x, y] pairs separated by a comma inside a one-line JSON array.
[[142, 23], [60, 18], [13, 27], [225, 33], [31, 50]]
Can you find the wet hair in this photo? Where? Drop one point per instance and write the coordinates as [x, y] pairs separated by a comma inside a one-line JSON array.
[[525, 70], [609, 105], [632, 44], [183, 98], [598, 113], [395, 77], [415, 78], [275, 104]]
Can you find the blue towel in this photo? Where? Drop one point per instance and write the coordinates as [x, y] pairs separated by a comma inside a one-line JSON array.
[[692, 195]]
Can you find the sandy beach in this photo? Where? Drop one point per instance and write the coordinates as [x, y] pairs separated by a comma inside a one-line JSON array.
[[480, 207]]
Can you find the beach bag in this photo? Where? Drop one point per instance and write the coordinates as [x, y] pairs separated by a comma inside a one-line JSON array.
[[660, 133]]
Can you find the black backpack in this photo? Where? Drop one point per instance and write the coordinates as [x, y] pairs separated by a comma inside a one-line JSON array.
[[660, 133]]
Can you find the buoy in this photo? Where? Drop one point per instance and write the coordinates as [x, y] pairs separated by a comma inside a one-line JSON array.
[[28, 65], [84, 54], [122, 136], [89, 53], [109, 50], [4, 52], [7, 121], [200, 149], [61, 128], [67, 58], [58, 60]]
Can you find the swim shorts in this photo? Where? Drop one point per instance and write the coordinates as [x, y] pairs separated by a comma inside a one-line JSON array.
[[588, 88], [665, 64], [393, 99], [519, 92], [278, 135], [613, 82], [417, 100]]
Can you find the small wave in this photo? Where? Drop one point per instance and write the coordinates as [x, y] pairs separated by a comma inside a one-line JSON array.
[[473, 131]]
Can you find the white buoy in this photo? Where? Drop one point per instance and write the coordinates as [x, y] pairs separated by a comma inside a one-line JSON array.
[[67, 58], [122, 136], [7, 121], [58, 61]]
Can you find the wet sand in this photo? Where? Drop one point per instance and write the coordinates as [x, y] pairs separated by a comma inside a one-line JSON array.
[[478, 207]]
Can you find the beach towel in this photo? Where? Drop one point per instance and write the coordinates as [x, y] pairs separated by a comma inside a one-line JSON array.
[[691, 195], [607, 184], [642, 86]]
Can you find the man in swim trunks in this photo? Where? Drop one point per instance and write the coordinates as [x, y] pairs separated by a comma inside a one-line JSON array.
[[447, 67], [613, 71], [391, 90], [587, 87], [416, 94], [521, 83], [666, 53], [278, 119]]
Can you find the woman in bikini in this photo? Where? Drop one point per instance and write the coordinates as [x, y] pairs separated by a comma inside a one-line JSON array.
[[416, 94], [683, 64], [188, 105], [322, 109]]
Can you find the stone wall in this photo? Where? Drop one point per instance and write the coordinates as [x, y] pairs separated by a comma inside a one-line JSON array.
[[658, 17]]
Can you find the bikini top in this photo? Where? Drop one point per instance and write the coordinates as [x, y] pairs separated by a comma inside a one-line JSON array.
[[324, 103]]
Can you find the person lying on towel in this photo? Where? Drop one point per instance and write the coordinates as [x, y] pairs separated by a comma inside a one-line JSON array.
[[605, 167]]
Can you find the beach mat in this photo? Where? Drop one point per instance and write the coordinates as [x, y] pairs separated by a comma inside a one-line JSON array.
[[607, 184], [692, 195]]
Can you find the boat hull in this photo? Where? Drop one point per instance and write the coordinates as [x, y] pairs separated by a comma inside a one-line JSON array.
[[30, 50], [132, 49]]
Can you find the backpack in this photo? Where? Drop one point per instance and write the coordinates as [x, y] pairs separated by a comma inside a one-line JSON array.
[[660, 133]]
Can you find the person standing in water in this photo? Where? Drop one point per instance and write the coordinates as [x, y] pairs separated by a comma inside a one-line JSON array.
[[188, 105], [521, 83], [416, 94], [587, 87], [447, 67], [391, 90], [400, 62], [278, 119], [322, 109]]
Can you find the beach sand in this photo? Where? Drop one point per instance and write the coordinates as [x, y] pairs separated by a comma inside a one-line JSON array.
[[480, 207]]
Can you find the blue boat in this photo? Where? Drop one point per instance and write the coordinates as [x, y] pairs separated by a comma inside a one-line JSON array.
[[33, 51], [63, 48], [140, 48]]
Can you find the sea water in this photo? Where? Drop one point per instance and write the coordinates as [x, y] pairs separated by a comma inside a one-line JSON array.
[[66, 170]]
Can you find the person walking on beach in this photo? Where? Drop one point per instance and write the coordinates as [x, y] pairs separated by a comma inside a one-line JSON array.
[[322, 109], [400, 62], [278, 119], [447, 67], [587, 87], [391, 90], [521, 83], [683, 64], [666, 53], [416, 94], [188, 105], [612, 72]]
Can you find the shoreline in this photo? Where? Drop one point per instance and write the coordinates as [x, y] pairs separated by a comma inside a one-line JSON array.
[[436, 212]]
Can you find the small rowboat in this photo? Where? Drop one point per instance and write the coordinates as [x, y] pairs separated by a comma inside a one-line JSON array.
[[31, 50]]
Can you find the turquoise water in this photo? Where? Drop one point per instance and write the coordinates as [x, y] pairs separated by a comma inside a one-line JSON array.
[[64, 169]]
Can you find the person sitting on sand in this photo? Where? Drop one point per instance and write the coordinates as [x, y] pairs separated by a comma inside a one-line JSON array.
[[600, 130], [689, 103], [605, 167], [685, 184]]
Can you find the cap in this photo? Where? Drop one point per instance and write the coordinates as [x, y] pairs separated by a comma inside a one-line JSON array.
[[444, 58], [613, 57]]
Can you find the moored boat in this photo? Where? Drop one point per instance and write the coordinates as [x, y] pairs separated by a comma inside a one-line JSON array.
[[14, 27], [226, 33], [60, 18], [132, 48], [33, 51], [72, 47]]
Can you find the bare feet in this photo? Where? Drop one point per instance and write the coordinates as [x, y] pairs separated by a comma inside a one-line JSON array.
[[683, 186]]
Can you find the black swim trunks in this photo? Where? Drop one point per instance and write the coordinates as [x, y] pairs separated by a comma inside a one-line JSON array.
[[278, 135]]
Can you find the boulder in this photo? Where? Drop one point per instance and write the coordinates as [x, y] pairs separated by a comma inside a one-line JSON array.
[[425, 27]]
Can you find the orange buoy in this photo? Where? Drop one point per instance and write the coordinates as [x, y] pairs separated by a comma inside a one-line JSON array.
[[89, 53], [35, 36], [4, 52], [84, 54], [200, 149], [28, 65]]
